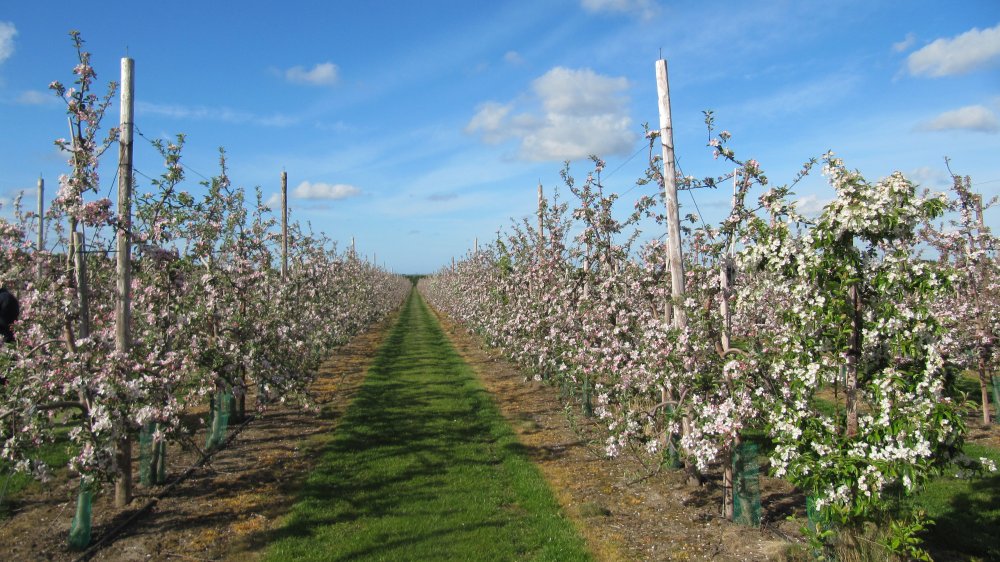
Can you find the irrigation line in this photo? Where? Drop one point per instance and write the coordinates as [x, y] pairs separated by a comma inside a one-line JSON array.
[[113, 534]]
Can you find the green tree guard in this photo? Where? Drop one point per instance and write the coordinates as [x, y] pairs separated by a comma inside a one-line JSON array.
[[996, 397], [746, 485], [79, 529], [672, 452], [220, 419], [146, 454], [152, 456]]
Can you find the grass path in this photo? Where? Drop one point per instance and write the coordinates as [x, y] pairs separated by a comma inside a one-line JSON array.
[[423, 467]]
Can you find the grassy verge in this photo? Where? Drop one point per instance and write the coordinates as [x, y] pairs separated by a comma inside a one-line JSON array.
[[423, 467], [966, 512], [12, 484]]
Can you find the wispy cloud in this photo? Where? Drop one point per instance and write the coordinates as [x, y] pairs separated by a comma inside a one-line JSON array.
[[36, 97], [579, 113], [224, 114], [933, 178], [644, 9], [320, 190], [323, 74], [970, 118], [513, 57], [802, 96], [905, 44], [964, 53], [7, 34]]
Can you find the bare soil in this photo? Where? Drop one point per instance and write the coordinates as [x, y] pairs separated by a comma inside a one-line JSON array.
[[227, 509], [223, 509]]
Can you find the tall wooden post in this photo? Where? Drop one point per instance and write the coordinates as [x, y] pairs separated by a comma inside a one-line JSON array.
[[728, 496], [284, 224], [541, 218], [984, 336], [40, 244], [675, 262], [123, 486]]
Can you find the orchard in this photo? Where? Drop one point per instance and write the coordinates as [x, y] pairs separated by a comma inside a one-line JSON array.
[[836, 338], [213, 317], [846, 353]]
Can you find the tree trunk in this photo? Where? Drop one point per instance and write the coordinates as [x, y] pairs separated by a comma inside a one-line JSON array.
[[984, 383], [853, 355], [123, 484]]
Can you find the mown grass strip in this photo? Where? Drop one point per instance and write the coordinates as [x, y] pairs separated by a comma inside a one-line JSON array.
[[423, 467], [966, 511]]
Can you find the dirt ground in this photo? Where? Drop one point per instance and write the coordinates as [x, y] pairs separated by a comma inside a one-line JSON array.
[[223, 508], [623, 514], [226, 509]]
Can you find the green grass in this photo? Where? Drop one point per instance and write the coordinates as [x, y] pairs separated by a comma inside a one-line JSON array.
[[55, 454], [423, 467], [966, 512]]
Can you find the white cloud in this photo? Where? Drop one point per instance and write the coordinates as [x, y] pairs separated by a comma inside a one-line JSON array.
[[969, 51], [513, 57], [905, 44], [325, 73], [581, 113], [224, 114], [812, 205], [489, 119], [644, 9], [274, 202], [7, 34], [972, 118], [320, 190]]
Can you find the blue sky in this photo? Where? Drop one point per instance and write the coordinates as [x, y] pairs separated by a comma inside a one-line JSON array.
[[418, 126]]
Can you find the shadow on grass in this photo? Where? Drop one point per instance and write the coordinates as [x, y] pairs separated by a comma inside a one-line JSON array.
[[969, 524], [422, 465]]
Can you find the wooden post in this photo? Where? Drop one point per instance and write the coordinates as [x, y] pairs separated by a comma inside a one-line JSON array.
[[40, 245], [725, 281], [675, 263], [984, 377], [476, 246], [541, 218], [284, 224], [728, 499], [123, 486], [40, 242], [354, 251]]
